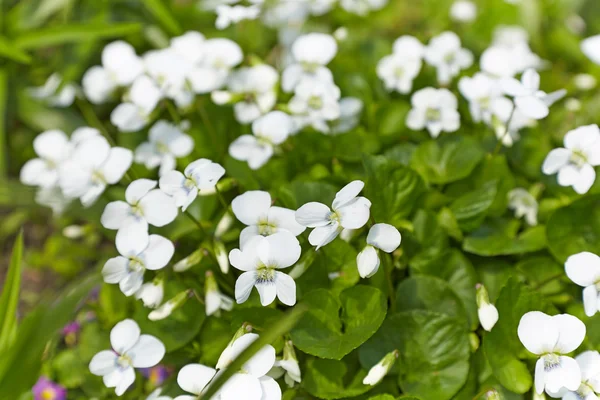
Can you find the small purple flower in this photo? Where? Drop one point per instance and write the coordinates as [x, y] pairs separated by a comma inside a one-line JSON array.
[[45, 389], [157, 375], [70, 332]]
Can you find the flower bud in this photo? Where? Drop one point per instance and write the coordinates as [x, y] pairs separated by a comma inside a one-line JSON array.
[[151, 293], [289, 363], [492, 394], [224, 185], [227, 355], [225, 223], [189, 261], [474, 342], [380, 370], [488, 314], [221, 256], [74, 231], [368, 262], [166, 309], [214, 300]]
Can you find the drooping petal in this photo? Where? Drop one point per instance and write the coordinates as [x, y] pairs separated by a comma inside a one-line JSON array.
[[322, 235], [284, 218], [172, 184], [538, 332], [132, 282], [118, 162], [52, 145], [158, 208], [384, 236], [555, 160], [115, 269], [115, 214], [587, 176], [252, 206], [583, 268], [286, 288], [313, 214], [571, 333], [567, 374], [582, 137], [347, 193], [132, 238], [159, 252], [267, 291], [270, 389], [124, 335], [138, 189], [540, 376], [147, 352], [127, 379], [35, 172], [241, 386], [590, 300], [569, 175], [103, 363], [589, 364], [261, 362], [193, 378], [367, 262], [280, 250], [532, 107], [243, 286]]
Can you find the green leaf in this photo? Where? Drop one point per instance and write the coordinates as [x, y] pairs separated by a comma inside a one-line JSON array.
[[12, 52], [500, 238], [74, 33], [449, 160], [299, 193], [268, 336], [423, 292], [502, 346], [10, 296], [163, 15], [496, 168], [575, 228], [382, 397], [471, 208], [434, 352], [333, 327], [392, 187], [332, 379]]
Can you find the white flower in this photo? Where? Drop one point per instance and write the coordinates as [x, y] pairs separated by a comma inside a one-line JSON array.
[[166, 142], [219, 57], [576, 161], [169, 70], [316, 102], [434, 109], [585, 81], [92, 166], [381, 236], [311, 53], [214, 300], [550, 337], [200, 175], [138, 253], [260, 258], [350, 109], [269, 131], [350, 211], [584, 269], [485, 96], [253, 91], [134, 113], [528, 97], [53, 148], [228, 15], [120, 67], [463, 11], [287, 365], [171, 305], [145, 205], [151, 293], [509, 53], [380, 370], [446, 54], [362, 7], [589, 364], [228, 355], [487, 312], [54, 198], [130, 350], [591, 48], [49, 92], [254, 209], [398, 72], [524, 204], [251, 384]]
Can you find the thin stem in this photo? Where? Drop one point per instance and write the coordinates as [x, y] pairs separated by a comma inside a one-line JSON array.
[[198, 224], [548, 280], [172, 111], [507, 132], [388, 267], [222, 199], [92, 119]]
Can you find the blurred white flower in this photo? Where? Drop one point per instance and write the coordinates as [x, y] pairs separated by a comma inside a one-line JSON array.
[[591, 48], [350, 211], [575, 162], [200, 175], [585, 81], [289, 363], [463, 11], [524, 204], [485, 96], [166, 142], [53, 149], [584, 269], [253, 208], [384, 237], [231, 15], [214, 300], [316, 103], [49, 92], [219, 56], [269, 131], [350, 110], [260, 258], [142, 98], [362, 7], [509, 53], [434, 109], [446, 54], [130, 350], [551, 337], [529, 99], [311, 53], [399, 69], [151, 293]]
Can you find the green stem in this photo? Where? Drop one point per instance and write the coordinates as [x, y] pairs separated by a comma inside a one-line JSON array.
[[499, 144], [195, 221], [222, 199], [172, 111], [388, 267], [548, 280]]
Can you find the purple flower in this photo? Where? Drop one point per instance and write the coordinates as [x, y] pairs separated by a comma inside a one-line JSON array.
[[70, 332], [157, 375], [45, 389]]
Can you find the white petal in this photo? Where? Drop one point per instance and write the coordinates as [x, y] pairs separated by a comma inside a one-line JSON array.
[[118, 162], [355, 214], [241, 386], [193, 378], [280, 250], [416, 119], [132, 239], [587, 176], [115, 269], [347, 193], [569, 175], [571, 333], [367, 262], [540, 376], [103, 363], [270, 389], [248, 233], [92, 153], [267, 292], [567, 375], [531, 80], [583, 268], [138, 189], [532, 107], [127, 379], [120, 59], [313, 214], [591, 48], [132, 283], [384, 236], [158, 208], [124, 335], [538, 332], [589, 364], [159, 252], [147, 352], [261, 362], [488, 316], [555, 160], [246, 259], [36, 172], [52, 145], [590, 300], [251, 206], [128, 117], [322, 235], [284, 218], [244, 285], [114, 215], [286, 288]]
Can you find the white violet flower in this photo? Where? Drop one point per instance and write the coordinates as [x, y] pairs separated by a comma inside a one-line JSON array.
[[384, 237]]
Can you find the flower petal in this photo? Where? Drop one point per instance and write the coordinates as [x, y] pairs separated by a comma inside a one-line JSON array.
[[367, 262], [571, 333], [132, 238], [280, 250], [114, 215], [115, 269], [138, 189], [322, 235], [158, 253], [158, 208], [555, 160], [313, 214], [243, 286], [103, 363], [347, 193], [116, 165], [193, 378], [532, 107], [261, 362], [286, 288], [241, 386], [587, 176], [270, 389], [127, 379], [538, 332], [124, 335], [583, 268], [147, 352], [355, 214], [567, 374], [284, 218], [252, 206], [267, 291], [385, 237]]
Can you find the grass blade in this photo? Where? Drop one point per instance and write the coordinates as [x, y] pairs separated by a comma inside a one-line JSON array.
[[12, 52], [10, 295], [163, 15]]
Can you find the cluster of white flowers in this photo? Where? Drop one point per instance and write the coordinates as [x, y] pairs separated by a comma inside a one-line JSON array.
[[79, 167]]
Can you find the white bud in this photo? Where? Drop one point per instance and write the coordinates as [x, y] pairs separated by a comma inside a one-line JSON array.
[[73, 231], [572, 104], [221, 97], [189, 261], [224, 224], [227, 355], [221, 255], [347, 234], [289, 363], [463, 11], [585, 81], [341, 34], [380, 370], [151, 293], [166, 309], [368, 262], [214, 300], [488, 314]]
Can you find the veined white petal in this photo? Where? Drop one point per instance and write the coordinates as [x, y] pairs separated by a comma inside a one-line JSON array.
[[124, 335], [313, 214], [571, 333], [280, 250], [286, 288], [103, 363], [159, 252], [147, 352], [347, 193], [138, 189], [244, 285], [251, 206]]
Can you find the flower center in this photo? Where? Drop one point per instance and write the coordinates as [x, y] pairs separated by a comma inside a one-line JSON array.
[[551, 361], [310, 67], [136, 265], [265, 228], [579, 158], [398, 72], [137, 210], [162, 148], [265, 274], [48, 394], [98, 178], [124, 361], [315, 102], [484, 102], [433, 114], [189, 183], [449, 58], [334, 217]]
